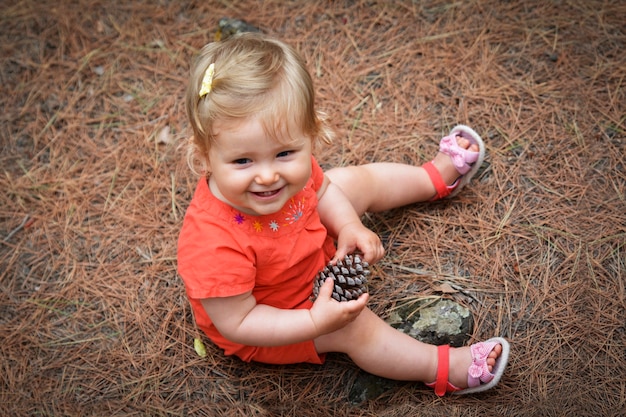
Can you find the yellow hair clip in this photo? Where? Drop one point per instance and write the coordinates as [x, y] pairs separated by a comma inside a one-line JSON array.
[[207, 81]]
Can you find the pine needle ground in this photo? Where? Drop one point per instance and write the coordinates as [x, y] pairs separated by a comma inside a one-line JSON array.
[[93, 318]]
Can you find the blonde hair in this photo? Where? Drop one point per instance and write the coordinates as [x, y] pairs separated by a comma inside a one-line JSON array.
[[253, 75]]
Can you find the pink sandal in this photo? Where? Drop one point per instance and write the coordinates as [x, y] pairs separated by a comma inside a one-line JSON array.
[[466, 162], [478, 376]]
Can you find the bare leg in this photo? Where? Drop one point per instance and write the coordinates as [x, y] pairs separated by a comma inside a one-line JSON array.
[[371, 343], [382, 186], [382, 350]]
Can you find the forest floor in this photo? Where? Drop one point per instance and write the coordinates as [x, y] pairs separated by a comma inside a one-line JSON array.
[[93, 316]]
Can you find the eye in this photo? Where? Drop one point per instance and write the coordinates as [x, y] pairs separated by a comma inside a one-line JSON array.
[[283, 154], [242, 161]]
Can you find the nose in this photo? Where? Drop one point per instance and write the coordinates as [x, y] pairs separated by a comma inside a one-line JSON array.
[[266, 175]]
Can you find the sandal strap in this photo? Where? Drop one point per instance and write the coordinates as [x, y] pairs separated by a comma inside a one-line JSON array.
[[443, 367], [478, 371], [441, 188]]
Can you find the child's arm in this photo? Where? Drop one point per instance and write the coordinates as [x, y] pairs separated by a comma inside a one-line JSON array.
[[342, 221], [241, 320]]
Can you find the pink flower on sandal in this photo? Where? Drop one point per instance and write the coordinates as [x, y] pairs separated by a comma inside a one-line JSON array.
[[479, 371], [461, 158]]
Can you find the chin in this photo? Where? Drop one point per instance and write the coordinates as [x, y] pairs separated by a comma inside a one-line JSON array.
[[265, 211]]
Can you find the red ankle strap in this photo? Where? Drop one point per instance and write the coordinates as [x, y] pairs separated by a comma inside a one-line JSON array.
[[441, 187], [443, 366]]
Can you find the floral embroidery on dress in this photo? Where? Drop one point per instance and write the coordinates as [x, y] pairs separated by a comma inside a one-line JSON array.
[[295, 211]]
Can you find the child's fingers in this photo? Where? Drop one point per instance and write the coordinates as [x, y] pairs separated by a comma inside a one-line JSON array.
[[354, 307], [361, 302], [326, 290], [373, 252], [341, 253]]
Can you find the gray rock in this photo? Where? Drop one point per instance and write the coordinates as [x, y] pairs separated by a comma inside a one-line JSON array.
[[439, 322]]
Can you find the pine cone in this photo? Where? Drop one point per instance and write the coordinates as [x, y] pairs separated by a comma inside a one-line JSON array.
[[350, 276]]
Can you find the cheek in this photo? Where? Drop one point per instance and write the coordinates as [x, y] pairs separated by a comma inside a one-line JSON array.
[[307, 172], [306, 163], [231, 182], [304, 172]]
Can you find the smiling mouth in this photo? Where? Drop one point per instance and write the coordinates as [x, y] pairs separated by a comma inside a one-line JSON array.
[[267, 194]]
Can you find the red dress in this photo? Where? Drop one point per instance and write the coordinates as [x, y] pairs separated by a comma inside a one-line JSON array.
[[223, 252]]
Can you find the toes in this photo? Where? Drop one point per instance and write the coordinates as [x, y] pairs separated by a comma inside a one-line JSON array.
[[495, 352], [466, 144], [493, 355], [462, 142]]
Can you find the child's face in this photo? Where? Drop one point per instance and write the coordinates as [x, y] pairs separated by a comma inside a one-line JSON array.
[[253, 172]]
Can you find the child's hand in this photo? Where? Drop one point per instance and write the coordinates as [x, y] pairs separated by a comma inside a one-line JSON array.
[[355, 236], [329, 314]]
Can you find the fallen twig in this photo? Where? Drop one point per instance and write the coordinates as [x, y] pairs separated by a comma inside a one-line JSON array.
[[17, 229]]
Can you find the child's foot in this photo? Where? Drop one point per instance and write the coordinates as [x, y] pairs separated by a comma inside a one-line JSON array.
[[444, 164], [471, 369], [460, 155], [461, 360]]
